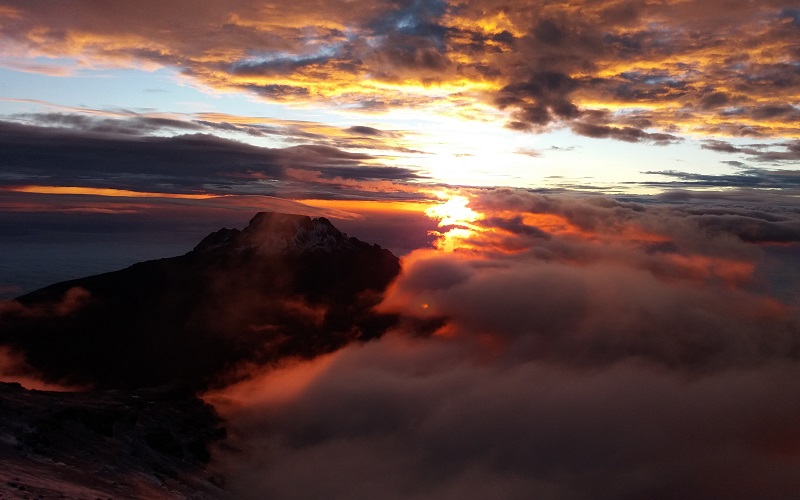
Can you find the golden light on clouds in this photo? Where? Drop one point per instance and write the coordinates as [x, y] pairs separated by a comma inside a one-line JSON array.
[[354, 207], [89, 191], [455, 214], [594, 68], [454, 211]]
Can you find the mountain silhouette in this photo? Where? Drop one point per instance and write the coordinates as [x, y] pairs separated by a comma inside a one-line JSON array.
[[286, 285]]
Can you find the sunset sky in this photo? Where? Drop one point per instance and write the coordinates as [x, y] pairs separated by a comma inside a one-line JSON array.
[[119, 111], [599, 199]]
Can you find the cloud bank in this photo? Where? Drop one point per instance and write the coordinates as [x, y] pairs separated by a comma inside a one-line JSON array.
[[188, 164], [586, 347]]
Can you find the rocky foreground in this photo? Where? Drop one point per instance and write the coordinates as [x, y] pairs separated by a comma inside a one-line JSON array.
[[87, 445]]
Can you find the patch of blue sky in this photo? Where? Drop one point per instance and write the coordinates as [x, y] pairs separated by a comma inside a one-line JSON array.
[[140, 91]]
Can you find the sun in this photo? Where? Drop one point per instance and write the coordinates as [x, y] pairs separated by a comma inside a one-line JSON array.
[[454, 213]]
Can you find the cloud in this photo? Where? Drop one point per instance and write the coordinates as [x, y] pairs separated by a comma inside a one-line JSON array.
[[14, 369], [105, 154], [125, 122], [134, 126], [627, 134], [42, 69], [753, 178], [639, 72], [533, 153], [758, 152], [584, 347], [73, 300], [404, 419], [13, 365], [590, 279]]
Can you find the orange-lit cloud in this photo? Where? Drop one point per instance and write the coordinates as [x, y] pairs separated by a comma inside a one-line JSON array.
[[622, 70], [14, 369], [568, 328], [571, 328], [88, 191], [552, 259], [355, 207], [13, 365], [73, 299]]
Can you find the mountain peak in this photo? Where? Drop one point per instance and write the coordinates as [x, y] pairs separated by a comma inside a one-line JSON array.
[[274, 233], [285, 285]]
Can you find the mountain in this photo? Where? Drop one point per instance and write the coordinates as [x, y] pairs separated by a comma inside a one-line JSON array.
[[286, 285]]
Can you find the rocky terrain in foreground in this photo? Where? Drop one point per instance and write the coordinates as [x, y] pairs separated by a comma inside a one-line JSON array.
[[150, 444]]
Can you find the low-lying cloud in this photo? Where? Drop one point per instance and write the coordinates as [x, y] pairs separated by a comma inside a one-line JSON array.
[[586, 347]]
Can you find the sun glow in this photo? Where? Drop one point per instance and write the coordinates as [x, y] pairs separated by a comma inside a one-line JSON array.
[[454, 213]]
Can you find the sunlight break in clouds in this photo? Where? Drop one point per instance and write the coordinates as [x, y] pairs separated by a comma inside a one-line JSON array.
[[455, 214]]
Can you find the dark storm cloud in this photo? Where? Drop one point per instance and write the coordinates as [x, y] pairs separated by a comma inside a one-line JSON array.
[[360, 129], [254, 130], [409, 40], [721, 146], [606, 58]]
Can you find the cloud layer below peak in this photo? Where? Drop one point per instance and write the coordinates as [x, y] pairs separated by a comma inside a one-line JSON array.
[[584, 347]]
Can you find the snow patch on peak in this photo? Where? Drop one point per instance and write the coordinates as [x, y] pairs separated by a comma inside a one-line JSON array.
[[272, 233]]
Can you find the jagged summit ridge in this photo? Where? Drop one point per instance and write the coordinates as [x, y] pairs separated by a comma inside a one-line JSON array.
[[273, 233]]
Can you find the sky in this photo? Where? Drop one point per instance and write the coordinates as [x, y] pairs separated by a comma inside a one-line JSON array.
[[115, 118], [599, 198]]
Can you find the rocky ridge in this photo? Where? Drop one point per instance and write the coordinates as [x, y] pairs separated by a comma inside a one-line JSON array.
[[110, 444]]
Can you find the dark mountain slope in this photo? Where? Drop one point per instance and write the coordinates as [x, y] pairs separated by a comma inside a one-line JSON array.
[[286, 285]]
